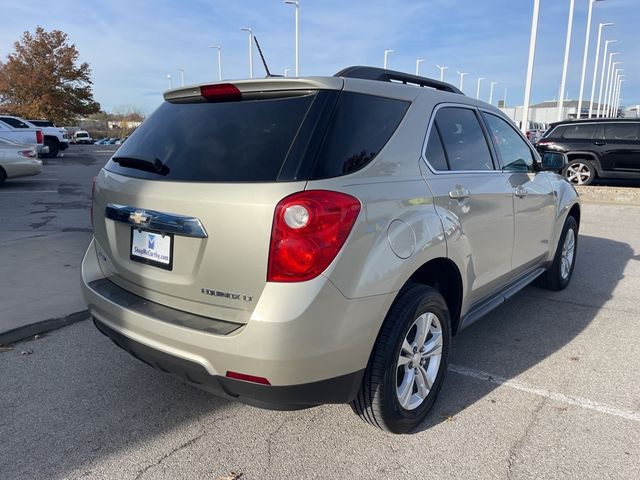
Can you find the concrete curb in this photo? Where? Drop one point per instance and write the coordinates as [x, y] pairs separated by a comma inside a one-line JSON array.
[[26, 331]]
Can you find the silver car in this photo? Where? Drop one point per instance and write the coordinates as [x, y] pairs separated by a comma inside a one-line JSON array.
[[293, 242], [18, 160]]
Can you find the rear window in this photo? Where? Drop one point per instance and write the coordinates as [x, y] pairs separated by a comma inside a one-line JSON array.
[[14, 122], [579, 132], [277, 139], [244, 141], [82, 135]]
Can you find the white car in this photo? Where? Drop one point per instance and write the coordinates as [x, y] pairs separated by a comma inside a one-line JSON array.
[[18, 130], [55, 138], [18, 160], [81, 137]]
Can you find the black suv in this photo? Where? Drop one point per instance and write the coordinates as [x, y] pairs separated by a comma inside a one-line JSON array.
[[599, 147]]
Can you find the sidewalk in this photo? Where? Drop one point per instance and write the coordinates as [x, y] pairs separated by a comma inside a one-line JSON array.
[[40, 283]]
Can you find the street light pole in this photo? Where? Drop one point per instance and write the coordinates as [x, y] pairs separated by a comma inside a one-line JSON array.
[[442, 69], [504, 99], [532, 54], [604, 67], [610, 89], [491, 91], [584, 58], [418, 62], [181, 70], [247, 29], [614, 85], [621, 79], [478, 88], [296, 3], [386, 54], [595, 66], [219, 48], [565, 63], [286, 70], [462, 74], [608, 83], [170, 82]]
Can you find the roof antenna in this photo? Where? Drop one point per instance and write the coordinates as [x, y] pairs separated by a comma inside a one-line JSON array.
[[269, 75]]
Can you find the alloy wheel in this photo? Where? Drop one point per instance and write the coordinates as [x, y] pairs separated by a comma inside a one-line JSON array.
[[578, 173]]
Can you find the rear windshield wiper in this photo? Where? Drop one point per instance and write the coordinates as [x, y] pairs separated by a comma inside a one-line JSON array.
[[142, 162]]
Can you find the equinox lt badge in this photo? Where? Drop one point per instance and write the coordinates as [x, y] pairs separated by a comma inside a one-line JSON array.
[[232, 296]]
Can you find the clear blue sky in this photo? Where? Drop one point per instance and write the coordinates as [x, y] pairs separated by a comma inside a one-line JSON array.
[[132, 45]]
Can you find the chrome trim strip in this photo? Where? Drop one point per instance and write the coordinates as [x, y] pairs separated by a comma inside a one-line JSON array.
[[154, 220]]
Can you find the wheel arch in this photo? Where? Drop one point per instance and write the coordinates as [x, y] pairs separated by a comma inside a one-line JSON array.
[[443, 275], [591, 157]]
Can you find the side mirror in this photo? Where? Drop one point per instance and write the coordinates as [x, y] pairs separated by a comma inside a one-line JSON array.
[[553, 161]]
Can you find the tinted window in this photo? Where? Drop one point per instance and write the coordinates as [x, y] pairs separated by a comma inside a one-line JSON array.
[[42, 123], [14, 122], [361, 125], [463, 139], [579, 132], [243, 141], [435, 152], [513, 150], [621, 131]]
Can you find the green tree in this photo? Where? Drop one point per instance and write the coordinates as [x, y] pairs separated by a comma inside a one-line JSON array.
[[42, 79]]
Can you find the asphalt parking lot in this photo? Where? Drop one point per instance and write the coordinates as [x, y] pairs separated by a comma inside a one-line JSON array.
[[546, 386]]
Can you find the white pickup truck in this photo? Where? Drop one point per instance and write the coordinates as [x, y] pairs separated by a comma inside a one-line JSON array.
[[56, 138], [17, 130]]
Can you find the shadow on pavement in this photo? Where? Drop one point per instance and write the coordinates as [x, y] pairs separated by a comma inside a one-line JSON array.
[[531, 326]]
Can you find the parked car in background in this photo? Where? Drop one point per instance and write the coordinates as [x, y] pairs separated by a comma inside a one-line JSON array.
[[81, 137], [292, 244], [102, 141], [596, 148], [57, 139], [17, 160], [112, 141], [18, 130]]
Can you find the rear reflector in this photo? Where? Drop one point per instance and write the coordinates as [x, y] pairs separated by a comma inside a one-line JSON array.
[[220, 92], [247, 378]]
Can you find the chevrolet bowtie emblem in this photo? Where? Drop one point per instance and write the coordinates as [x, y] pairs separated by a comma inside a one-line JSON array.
[[139, 217]]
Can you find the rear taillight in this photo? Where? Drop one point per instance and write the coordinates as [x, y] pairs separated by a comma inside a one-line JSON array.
[[93, 194], [39, 137], [309, 229], [220, 92], [27, 153]]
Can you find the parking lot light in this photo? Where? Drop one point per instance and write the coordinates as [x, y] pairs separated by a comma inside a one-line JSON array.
[[247, 29], [608, 82], [386, 54], [599, 111], [614, 72], [170, 82], [493, 84], [442, 69], [565, 63], [595, 66], [462, 74], [418, 62], [181, 70], [219, 48], [296, 3], [532, 54], [585, 56], [478, 88]]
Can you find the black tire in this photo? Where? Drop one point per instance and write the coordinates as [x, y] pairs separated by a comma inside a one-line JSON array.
[[3, 176], [579, 172], [552, 278], [377, 401], [53, 148]]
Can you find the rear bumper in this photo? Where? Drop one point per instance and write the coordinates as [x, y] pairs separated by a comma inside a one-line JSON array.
[[63, 145], [312, 347], [289, 397], [25, 168]]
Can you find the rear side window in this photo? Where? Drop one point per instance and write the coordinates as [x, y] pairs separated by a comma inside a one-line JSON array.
[[14, 122], [244, 141], [621, 131], [361, 125], [464, 142], [435, 151], [579, 132]]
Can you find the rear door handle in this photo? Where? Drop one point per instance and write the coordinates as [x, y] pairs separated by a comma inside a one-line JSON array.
[[521, 192], [460, 193]]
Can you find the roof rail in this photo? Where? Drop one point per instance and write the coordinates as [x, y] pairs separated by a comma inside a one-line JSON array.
[[384, 75]]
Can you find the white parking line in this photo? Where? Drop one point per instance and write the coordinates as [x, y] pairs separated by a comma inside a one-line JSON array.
[[23, 180], [558, 397], [105, 151]]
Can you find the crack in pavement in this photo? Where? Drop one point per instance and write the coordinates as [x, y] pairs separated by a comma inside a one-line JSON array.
[[169, 454], [517, 445], [269, 440]]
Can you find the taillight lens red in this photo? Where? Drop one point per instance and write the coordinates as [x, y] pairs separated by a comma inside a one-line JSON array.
[[39, 136], [247, 378], [27, 153], [309, 229], [220, 92]]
